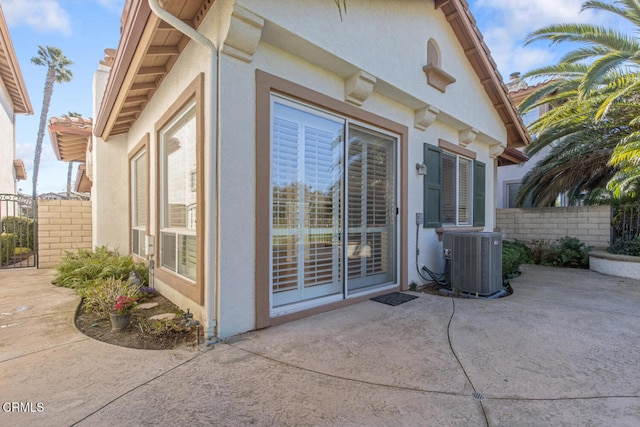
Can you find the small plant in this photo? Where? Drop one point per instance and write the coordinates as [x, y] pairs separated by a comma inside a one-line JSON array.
[[626, 247], [541, 252], [88, 268], [513, 255], [570, 252], [125, 304], [161, 327], [103, 297]]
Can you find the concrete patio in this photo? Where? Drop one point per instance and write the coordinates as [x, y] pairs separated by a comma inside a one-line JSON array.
[[564, 349]]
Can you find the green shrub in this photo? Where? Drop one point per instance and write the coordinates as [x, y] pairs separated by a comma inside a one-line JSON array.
[[541, 252], [626, 247], [570, 252], [88, 269], [102, 297], [22, 227], [513, 255], [7, 247]]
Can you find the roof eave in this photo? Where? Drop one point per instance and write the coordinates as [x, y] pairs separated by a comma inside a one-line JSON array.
[[20, 99], [459, 17]]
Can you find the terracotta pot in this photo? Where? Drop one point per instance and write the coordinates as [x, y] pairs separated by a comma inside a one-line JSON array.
[[119, 321]]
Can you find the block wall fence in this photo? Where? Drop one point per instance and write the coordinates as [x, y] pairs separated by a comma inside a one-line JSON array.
[[590, 224], [63, 225]]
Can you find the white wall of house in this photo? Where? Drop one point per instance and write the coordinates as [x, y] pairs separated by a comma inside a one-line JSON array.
[[307, 44], [109, 193], [7, 143]]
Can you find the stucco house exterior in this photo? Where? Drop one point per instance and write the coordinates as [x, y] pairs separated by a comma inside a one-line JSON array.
[[279, 160], [14, 99]]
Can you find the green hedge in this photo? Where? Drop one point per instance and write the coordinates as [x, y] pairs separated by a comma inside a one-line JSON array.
[[22, 227], [7, 247]]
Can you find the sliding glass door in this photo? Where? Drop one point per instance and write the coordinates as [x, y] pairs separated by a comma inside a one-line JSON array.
[[333, 228]]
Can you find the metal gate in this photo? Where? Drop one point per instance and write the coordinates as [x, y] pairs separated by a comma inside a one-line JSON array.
[[18, 228]]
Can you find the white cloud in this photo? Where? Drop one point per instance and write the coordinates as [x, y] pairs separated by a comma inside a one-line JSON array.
[[43, 16], [505, 24], [114, 5]]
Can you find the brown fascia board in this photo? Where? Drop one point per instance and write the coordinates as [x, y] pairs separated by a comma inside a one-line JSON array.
[[21, 101], [137, 16], [463, 24], [456, 12]]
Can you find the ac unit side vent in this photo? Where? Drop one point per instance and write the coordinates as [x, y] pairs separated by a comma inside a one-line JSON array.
[[475, 262]]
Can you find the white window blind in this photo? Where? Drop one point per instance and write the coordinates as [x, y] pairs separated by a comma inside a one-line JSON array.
[[178, 194], [138, 170], [308, 205]]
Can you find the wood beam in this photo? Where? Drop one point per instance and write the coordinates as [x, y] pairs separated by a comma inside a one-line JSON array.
[[148, 71], [144, 86], [163, 50]]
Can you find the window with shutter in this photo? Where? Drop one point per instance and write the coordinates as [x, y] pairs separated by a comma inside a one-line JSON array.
[[454, 189]]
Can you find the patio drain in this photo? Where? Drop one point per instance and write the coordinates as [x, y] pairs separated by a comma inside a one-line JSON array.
[[477, 396]]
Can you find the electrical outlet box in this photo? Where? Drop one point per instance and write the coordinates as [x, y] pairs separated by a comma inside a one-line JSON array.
[[149, 242], [419, 218]]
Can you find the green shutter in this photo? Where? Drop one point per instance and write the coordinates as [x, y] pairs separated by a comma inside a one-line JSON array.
[[478, 194], [432, 187]]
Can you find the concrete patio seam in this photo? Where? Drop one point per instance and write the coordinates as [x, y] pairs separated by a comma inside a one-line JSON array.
[[338, 377], [131, 390], [46, 349]]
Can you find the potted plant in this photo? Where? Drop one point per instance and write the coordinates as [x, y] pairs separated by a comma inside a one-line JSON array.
[[121, 314]]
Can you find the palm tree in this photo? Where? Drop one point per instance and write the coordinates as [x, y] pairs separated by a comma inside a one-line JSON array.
[[57, 72], [594, 91]]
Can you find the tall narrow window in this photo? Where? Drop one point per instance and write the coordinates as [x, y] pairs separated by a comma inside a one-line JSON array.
[[138, 170], [178, 194], [457, 189]]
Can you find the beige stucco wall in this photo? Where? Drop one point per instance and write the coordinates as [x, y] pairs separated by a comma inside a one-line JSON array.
[[63, 225], [384, 39], [7, 144], [590, 224]]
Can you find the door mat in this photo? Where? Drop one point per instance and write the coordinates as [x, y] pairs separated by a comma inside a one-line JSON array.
[[394, 298]]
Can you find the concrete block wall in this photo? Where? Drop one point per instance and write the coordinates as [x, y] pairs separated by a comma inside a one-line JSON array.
[[590, 224], [63, 225]]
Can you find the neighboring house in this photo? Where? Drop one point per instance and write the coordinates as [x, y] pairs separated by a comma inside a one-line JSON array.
[[71, 139], [509, 175], [285, 174], [14, 99]]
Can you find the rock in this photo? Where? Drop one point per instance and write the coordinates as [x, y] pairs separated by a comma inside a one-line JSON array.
[[146, 305], [165, 316]]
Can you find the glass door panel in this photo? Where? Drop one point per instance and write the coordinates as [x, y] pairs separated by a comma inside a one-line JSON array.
[[371, 209], [306, 194]]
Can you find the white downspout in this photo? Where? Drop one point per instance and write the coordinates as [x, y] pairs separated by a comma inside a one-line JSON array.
[[212, 295]]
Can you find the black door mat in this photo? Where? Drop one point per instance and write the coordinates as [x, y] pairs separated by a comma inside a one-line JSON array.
[[394, 298]]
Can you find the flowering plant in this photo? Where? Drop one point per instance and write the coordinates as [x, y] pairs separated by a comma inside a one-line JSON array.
[[124, 304]]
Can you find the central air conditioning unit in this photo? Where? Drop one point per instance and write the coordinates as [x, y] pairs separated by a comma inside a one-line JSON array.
[[475, 262]]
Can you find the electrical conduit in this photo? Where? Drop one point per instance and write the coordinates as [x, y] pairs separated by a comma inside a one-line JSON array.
[[213, 130]]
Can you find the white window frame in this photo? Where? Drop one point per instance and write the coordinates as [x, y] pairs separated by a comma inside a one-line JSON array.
[[307, 304], [137, 230], [189, 110], [457, 185]]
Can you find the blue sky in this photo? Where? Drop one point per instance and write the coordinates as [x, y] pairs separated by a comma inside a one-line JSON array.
[[82, 29]]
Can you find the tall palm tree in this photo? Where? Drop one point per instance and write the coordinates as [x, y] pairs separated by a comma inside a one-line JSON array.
[[57, 72], [594, 91]]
